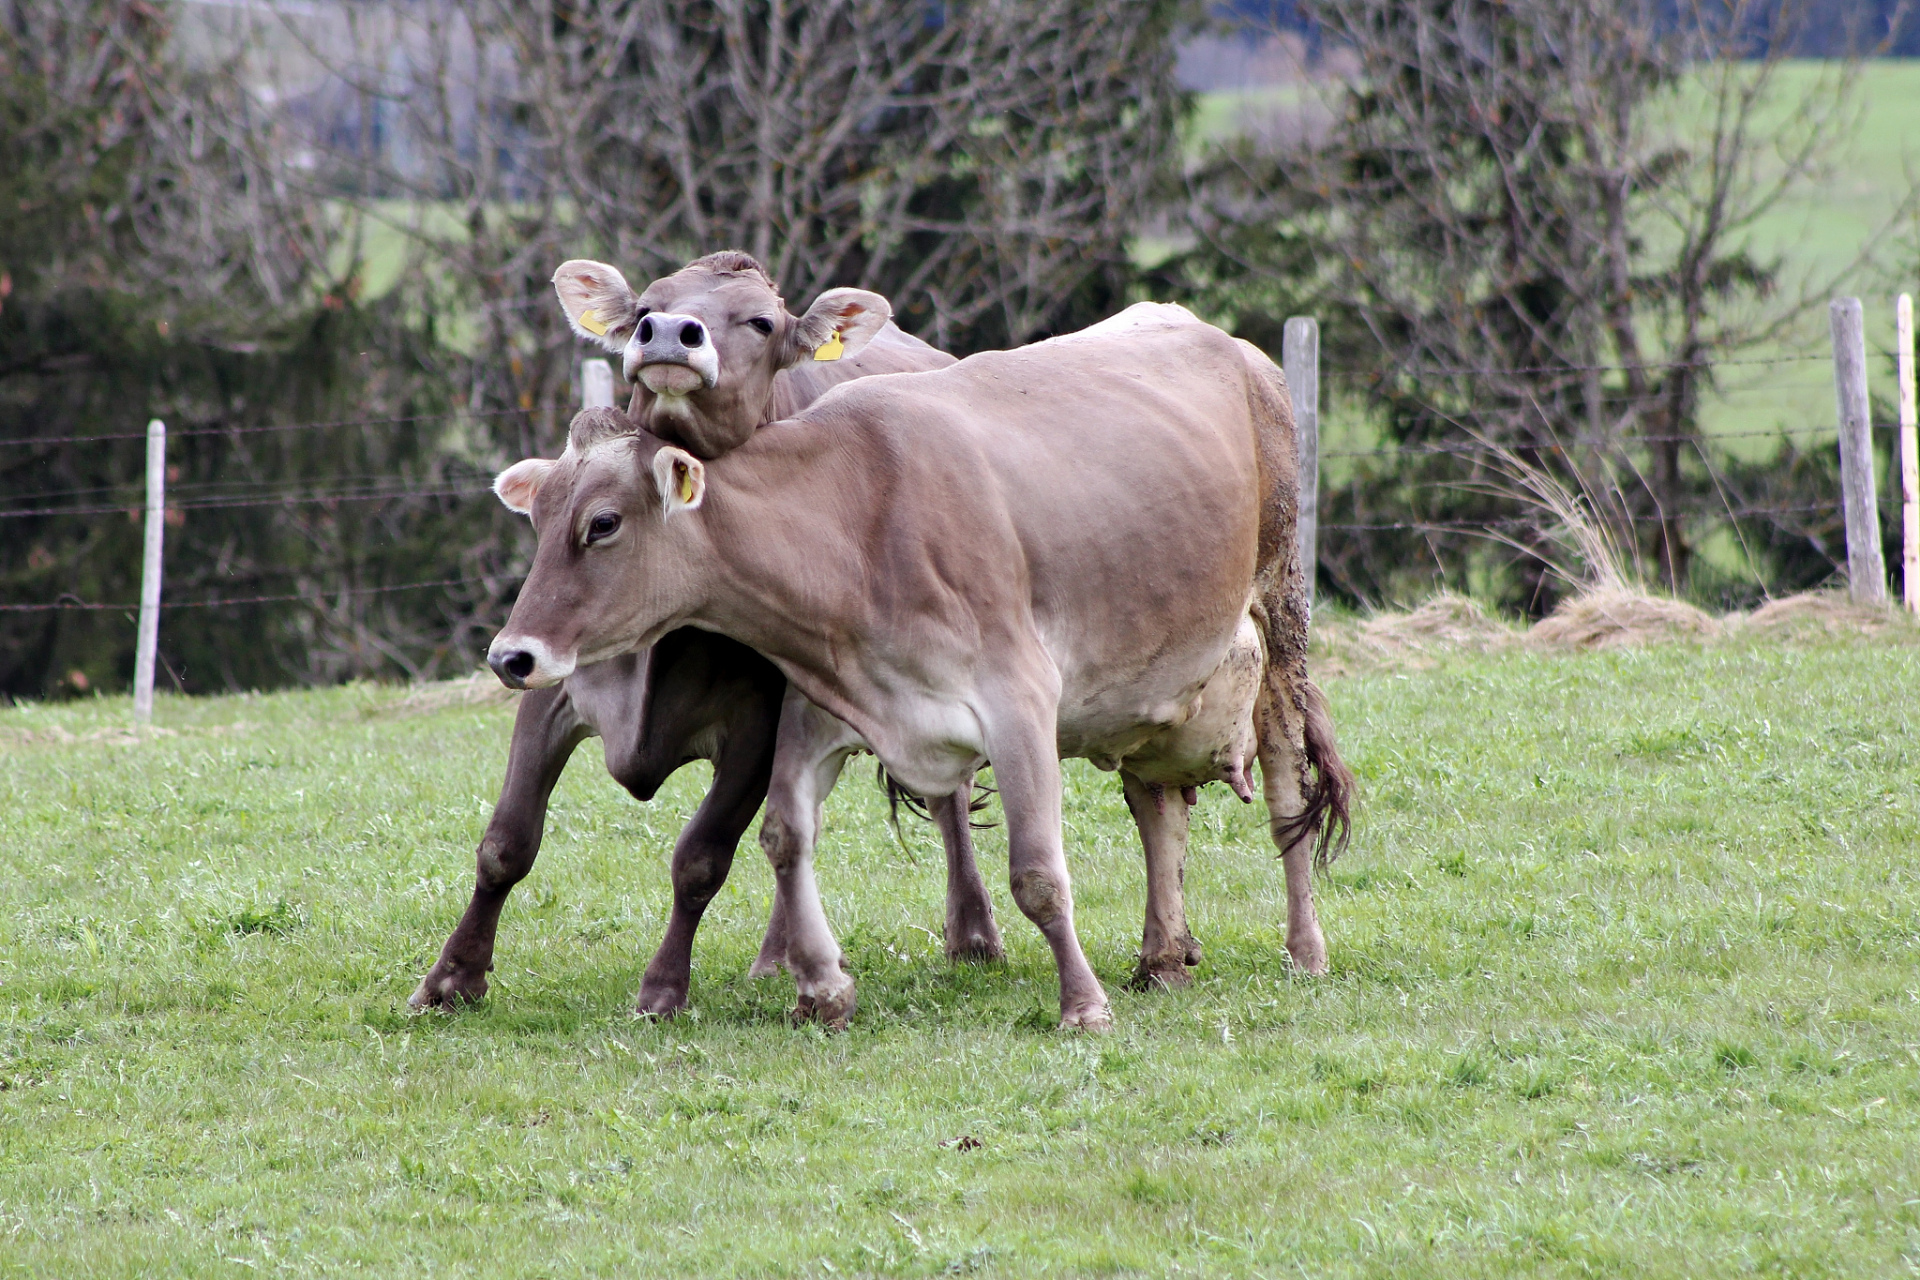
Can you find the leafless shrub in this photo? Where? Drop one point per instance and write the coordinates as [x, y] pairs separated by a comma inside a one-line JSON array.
[[1531, 221]]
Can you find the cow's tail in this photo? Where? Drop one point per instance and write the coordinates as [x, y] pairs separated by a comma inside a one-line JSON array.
[[1309, 789]]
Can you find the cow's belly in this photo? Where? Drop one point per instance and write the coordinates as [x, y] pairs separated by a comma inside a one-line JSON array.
[[1180, 723]]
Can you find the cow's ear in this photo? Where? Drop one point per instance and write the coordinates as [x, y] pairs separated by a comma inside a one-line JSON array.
[[518, 484], [599, 304], [839, 323], [682, 479]]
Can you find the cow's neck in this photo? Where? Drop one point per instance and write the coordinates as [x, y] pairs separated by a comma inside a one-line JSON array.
[[784, 516]]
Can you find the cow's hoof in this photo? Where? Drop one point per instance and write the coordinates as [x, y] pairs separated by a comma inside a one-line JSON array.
[[763, 967], [659, 1003], [1162, 974], [1088, 1017], [1309, 958], [976, 949], [832, 1010], [448, 987]]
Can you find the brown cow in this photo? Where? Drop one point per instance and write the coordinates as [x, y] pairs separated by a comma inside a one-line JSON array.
[[693, 695], [1026, 555]]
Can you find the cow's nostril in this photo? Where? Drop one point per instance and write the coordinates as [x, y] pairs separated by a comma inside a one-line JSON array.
[[513, 667], [691, 334], [646, 331]]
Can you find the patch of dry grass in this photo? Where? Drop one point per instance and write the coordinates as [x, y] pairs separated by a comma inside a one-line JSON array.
[[1610, 617]]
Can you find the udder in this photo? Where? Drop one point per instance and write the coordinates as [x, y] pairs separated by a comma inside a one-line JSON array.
[[1218, 742]]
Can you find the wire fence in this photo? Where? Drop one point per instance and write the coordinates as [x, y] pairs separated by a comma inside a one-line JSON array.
[[222, 603], [211, 495], [127, 498]]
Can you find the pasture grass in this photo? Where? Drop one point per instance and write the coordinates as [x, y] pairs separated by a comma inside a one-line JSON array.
[[1624, 983]]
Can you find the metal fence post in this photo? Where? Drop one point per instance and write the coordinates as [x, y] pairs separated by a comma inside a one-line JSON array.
[[148, 641], [596, 384], [1866, 567], [1300, 359], [1909, 459]]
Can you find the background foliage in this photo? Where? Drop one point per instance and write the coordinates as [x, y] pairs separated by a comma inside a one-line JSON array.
[[1539, 235]]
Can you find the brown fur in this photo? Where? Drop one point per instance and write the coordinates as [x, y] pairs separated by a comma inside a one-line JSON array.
[[1032, 553]]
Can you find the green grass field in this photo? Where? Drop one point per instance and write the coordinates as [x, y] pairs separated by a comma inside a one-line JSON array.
[[1624, 983]]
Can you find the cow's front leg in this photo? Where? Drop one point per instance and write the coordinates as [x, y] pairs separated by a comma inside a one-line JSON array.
[[1028, 773], [971, 933], [1166, 948], [546, 729], [812, 748]]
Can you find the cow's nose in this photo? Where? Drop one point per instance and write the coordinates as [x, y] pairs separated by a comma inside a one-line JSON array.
[[512, 666], [666, 339]]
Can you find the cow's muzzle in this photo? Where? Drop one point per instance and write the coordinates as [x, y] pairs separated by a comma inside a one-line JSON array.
[[672, 355], [525, 663]]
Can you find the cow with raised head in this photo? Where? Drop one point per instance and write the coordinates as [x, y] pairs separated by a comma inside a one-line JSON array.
[[712, 353], [1027, 555]]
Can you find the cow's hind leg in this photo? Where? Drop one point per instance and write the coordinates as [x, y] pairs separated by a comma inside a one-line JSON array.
[[972, 934], [773, 946], [1308, 793], [702, 858], [1166, 948], [546, 729]]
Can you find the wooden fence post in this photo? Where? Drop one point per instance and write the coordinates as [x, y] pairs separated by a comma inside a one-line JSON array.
[[596, 384], [148, 636], [1300, 359], [1909, 459], [1866, 567]]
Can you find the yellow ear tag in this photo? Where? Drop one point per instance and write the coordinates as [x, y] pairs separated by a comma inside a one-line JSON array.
[[686, 481], [591, 323], [831, 349]]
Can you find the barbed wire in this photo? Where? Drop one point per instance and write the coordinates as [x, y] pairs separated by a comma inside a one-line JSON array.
[[204, 495], [270, 427], [1534, 522], [1442, 371], [317, 597], [1379, 371], [290, 499], [1478, 446], [135, 490]]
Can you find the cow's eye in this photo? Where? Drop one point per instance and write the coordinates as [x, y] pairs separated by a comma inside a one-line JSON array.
[[602, 526], [764, 325]]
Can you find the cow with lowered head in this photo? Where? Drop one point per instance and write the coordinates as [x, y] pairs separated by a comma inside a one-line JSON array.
[[713, 353], [1084, 547]]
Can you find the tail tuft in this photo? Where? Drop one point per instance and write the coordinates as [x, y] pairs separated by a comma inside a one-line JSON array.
[[898, 796], [1329, 808]]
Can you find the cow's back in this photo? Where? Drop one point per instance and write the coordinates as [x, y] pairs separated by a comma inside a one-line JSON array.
[[892, 350]]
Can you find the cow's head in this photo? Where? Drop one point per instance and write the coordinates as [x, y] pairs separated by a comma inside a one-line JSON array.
[[618, 542], [703, 344]]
